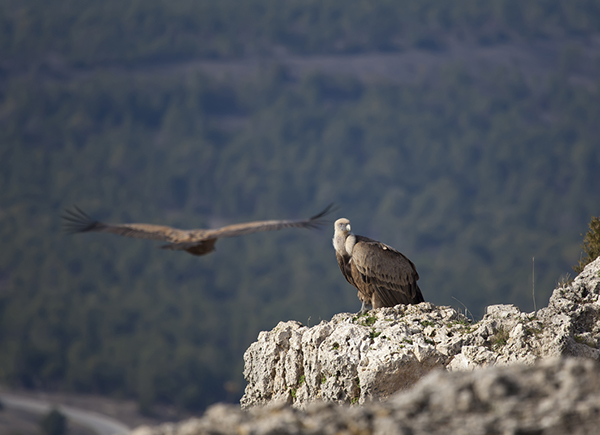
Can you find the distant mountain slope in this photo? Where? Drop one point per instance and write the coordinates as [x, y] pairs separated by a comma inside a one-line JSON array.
[[113, 32], [469, 168]]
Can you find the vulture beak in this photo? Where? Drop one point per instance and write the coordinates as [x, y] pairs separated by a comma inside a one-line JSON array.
[[348, 228]]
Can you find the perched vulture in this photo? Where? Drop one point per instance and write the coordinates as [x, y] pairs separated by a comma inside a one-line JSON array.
[[196, 242], [383, 276]]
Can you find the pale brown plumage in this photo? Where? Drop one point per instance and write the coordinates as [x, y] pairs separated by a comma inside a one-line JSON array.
[[196, 242], [383, 276]]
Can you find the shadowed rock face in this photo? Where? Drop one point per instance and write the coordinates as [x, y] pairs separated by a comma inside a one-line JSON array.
[[555, 396], [525, 379]]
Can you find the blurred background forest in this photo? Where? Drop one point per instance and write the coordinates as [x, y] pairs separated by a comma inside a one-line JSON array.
[[463, 133]]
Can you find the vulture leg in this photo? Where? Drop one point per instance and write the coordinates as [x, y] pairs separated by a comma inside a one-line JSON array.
[[363, 308]]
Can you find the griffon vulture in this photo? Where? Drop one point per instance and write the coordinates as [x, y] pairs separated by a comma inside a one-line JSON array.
[[196, 242], [383, 276]]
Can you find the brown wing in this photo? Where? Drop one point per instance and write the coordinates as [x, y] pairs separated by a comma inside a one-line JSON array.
[[245, 228], [386, 272], [344, 263], [77, 221], [271, 225], [197, 242]]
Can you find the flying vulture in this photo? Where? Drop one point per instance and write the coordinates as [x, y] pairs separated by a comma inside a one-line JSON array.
[[196, 242], [383, 276]]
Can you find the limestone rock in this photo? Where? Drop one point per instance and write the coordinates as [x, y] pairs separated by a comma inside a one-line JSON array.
[[355, 359], [511, 372], [555, 396], [351, 359]]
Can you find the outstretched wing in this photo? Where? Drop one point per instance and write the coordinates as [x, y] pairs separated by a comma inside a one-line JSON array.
[[77, 221], [258, 226], [387, 271], [193, 241]]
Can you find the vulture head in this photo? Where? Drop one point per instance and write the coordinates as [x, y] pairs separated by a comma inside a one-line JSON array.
[[343, 239], [343, 226]]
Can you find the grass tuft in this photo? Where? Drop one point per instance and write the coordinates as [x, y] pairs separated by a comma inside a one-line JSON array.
[[500, 338]]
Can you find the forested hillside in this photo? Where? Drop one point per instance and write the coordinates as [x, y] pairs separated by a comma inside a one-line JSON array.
[[89, 33], [470, 172]]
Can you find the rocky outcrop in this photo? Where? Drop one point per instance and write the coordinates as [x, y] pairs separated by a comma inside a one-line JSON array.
[[355, 359], [555, 396], [351, 359], [526, 379]]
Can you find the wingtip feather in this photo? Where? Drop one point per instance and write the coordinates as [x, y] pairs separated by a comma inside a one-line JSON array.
[[77, 221], [316, 221]]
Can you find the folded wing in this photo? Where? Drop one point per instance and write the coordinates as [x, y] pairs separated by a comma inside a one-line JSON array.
[[384, 273]]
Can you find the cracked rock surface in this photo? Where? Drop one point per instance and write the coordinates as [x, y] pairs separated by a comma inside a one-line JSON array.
[[351, 359]]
